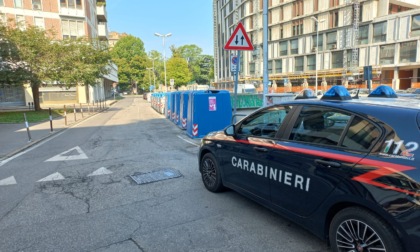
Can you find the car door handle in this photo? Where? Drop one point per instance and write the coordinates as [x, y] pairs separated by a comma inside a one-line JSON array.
[[329, 164], [260, 149]]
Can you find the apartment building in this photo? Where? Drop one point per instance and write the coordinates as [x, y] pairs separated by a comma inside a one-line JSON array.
[[352, 34], [69, 19]]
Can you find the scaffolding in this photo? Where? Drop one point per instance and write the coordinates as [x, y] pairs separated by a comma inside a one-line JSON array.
[[350, 38], [256, 54]]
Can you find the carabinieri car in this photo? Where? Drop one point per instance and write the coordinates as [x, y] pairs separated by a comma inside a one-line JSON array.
[[345, 169]]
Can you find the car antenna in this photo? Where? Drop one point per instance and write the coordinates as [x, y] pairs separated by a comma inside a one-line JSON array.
[[357, 94]]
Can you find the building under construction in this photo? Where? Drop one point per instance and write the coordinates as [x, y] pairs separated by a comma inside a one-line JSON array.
[[324, 41]]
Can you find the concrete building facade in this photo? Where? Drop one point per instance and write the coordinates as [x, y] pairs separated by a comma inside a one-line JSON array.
[[352, 34], [68, 19]]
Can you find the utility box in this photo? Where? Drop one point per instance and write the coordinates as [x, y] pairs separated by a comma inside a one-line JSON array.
[[176, 107], [168, 106], [183, 113], [208, 111]]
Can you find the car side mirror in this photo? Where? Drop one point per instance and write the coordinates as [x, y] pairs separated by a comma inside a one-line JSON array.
[[230, 130]]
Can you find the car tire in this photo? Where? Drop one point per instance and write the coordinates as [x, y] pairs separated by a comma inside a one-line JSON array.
[[354, 229], [210, 173]]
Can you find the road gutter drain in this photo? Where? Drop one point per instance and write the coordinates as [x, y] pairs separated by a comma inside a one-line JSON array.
[[154, 176]]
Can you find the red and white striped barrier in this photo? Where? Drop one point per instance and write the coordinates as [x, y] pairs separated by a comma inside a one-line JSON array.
[[184, 123], [195, 130]]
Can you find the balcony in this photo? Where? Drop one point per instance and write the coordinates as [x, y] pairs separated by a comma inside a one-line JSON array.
[[71, 12], [406, 3], [101, 13], [103, 31]]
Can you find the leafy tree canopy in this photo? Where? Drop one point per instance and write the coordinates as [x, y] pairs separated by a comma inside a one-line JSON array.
[[177, 69], [130, 56]]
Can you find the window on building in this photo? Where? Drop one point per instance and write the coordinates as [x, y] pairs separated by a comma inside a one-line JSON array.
[[36, 4], [386, 54], [270, 66], [270, 17], [39, 22], [1, 2], [311, 59], [279, 66], [281, 15], [408, 52], [337, 59], [269, 34], [379, 32], [283, 48], [71, 4], [394, 9], [251, 23], [297, 27], [71, 29], [281, 31], [20, 21], [320, 42], [334, 3], [3, 18], [333, 19], [364, 34], [252, 68], [415, 26], [316, 5], [297, 8], [299, 64], [332, 40], [294, 46], [19, 3]]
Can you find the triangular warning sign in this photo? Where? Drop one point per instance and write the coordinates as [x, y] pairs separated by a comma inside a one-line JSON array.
[[239, 40], [72, 154]]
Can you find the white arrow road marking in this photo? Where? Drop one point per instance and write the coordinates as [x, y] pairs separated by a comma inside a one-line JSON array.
[[8, 181], [54, 176], [67, 155], [100, 171]]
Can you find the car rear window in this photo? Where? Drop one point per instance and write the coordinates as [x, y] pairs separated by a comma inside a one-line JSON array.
[[328, 126]]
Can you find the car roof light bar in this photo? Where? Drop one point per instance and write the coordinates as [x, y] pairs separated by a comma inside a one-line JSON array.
[[383, 91], [337, 93]]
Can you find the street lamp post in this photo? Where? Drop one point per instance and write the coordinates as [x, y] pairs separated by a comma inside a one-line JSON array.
[[154, 75], [164, 53], [150, 80], [316, 52]]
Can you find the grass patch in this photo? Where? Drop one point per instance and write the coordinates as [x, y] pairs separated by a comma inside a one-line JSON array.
[[31, 116]]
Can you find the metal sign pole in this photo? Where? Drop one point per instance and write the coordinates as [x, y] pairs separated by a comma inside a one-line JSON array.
[[235, 105]]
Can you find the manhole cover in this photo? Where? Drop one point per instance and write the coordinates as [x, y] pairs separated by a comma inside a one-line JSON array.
[[153, 176]]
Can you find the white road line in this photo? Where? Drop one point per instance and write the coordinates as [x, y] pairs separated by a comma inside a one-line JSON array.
[[63, 157], [100, 171], [52, 177], [3, 162], [188, 141], [8, 181]]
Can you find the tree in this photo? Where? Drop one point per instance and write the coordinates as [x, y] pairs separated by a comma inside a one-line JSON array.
[[177, 69], [42, 60], [78, 62], [205, 74], [192, 54], [33, 46], [13, 71], [130, 56]]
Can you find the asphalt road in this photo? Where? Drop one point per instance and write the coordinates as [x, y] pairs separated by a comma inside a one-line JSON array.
[[74, 192]]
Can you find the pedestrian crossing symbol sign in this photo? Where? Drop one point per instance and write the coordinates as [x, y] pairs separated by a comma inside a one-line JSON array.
[[239, 40]]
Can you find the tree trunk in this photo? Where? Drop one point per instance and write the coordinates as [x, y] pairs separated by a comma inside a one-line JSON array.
[[35, 93]]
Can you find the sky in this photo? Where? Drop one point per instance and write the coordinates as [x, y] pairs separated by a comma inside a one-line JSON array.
[[189, 21]]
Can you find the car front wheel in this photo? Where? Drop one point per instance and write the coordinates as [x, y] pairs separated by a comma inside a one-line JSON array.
[[357, 229], [210, 173]]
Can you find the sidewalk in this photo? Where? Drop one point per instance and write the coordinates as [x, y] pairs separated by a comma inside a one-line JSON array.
[[14, 138]]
